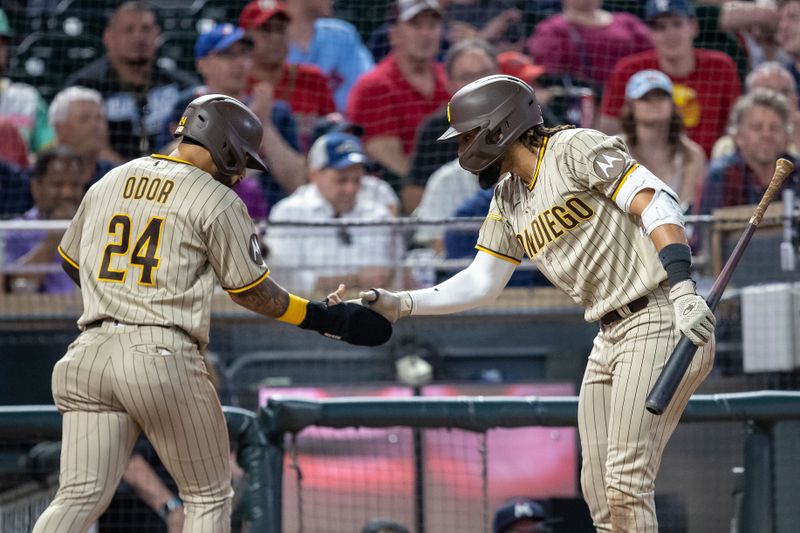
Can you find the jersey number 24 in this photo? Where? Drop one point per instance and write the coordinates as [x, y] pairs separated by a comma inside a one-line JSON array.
[[144, 253]]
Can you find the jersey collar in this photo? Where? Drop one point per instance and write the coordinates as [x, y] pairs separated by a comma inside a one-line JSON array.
[[539, 159], [170, 158]]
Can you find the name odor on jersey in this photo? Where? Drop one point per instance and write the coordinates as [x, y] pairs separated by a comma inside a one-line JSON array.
[[138, 187]]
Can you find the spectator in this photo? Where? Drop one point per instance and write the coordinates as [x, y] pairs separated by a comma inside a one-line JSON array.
[[653, 130], [20, 106], [755, 24], [303, 87], [585, 42], [224, 57], [465, 62], [382, 525], [138, 94], [13, 148], [15, 196], [705, 82], [79, 121], [788, 35], [760, 128], [329, 43], [321, 258], [391, 100], [498, 22], [770, 75], [520, 515], [57, 188], [447, 188]]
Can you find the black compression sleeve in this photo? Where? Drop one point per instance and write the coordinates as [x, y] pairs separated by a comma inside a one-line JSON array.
[[677, 261]]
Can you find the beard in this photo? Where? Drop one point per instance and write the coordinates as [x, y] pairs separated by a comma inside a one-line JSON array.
[[488, 177]]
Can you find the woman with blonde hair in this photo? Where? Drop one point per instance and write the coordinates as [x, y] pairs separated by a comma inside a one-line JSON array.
[[653, 130]]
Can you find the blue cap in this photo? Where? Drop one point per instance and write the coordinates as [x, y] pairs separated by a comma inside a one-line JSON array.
[[645, 81], [517, 509], [336, 150], [655, 8], [217, 39]]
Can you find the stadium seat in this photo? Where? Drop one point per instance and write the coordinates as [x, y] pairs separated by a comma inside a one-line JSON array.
[[46, 59], [177, 50]]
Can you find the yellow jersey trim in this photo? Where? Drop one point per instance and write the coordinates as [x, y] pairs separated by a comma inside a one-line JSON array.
[[539, 160], [296, 310], [498, 255], [622, 181], [170, 158], [250, 285], [67, 258]]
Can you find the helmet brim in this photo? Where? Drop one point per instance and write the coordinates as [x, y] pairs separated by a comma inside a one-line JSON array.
[[449, 134], [255, 162]]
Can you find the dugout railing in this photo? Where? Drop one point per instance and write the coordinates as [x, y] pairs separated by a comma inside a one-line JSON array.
[[759, 412]]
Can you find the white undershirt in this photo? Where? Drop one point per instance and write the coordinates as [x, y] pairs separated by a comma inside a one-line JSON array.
[[478, 284]]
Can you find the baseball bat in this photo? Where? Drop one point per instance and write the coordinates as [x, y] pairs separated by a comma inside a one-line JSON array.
[[675, 368]]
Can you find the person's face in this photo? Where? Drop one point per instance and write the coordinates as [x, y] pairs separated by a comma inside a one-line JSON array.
[[524, 525], [340, 187], [270, 40], [132, 37], [57, 194], [419, 38], [468, 67], [317, 8], [788, 31], [464, 140], [673, 35], [761, 135], [85, 129], [226, 71], [655, 107], [582, 5]]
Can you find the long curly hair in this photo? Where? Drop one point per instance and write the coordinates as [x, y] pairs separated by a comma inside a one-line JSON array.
[[533, 137]]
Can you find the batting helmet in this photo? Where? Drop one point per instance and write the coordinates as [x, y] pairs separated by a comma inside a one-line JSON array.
[[501, 108], [227, 129]]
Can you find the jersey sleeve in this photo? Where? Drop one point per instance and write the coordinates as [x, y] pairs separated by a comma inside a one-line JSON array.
[[496, 236], [70, 246], [234, 249], [598, 161]]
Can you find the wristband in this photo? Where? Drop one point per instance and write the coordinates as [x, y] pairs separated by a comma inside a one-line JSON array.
[[677, 261], [296, 312], [171, 505], [315, 316]]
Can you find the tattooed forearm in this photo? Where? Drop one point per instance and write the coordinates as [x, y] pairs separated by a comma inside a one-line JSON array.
[[267, 298]]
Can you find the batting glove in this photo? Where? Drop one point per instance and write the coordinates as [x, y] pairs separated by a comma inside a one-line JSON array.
[[391, 305], [692, 314]]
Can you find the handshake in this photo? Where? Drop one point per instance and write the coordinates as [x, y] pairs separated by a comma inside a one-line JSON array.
[[363, 322]]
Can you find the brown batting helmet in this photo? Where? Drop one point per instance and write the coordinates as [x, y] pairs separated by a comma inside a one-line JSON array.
[[227, 129], [501, 108]]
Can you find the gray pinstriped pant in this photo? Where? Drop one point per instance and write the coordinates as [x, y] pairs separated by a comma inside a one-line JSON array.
[[116, 381], [621, 442]]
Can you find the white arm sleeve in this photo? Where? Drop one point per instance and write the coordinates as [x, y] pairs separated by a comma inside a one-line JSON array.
[[478, 284]]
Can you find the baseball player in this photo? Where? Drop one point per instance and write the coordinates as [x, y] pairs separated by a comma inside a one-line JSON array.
[[145, 246], [610, 234]]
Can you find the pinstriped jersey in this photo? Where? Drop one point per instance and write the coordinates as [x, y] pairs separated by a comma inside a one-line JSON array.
[[567, 222], [150, 237]]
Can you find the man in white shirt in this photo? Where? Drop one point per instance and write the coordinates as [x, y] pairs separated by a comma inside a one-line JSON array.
[[319, 258]]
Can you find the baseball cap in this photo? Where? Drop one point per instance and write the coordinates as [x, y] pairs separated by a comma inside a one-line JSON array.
[[408, 9], [517, 509], [645, 81], [258, 12], [519, 65], [656, 8], [5, 27], [336, 150], [335, 122], [217, 39]]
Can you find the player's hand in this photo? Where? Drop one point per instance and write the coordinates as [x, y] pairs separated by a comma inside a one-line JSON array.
[[174, 520], [692, 315], [336, 296], [391, 305]]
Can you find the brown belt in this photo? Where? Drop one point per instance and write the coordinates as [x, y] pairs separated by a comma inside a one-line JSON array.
[[634, 307]]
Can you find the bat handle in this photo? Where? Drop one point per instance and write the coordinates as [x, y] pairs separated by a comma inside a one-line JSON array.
[[670, 377]]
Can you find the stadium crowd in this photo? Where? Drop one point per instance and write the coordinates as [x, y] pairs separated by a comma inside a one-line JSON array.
[[705, 95]]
